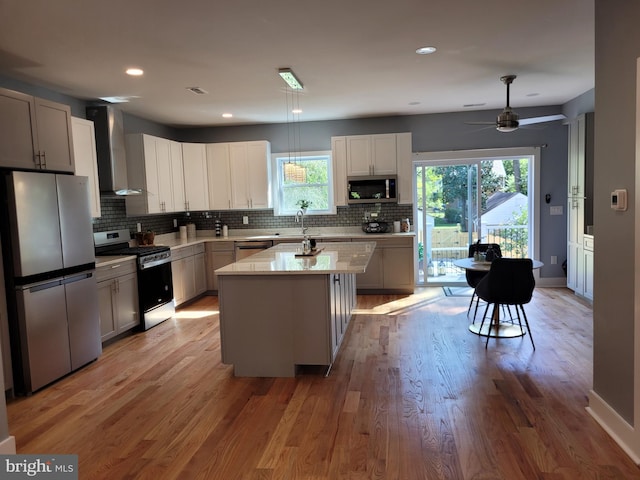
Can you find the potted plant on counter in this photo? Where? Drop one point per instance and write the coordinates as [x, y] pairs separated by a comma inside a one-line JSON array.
[[304, 204]]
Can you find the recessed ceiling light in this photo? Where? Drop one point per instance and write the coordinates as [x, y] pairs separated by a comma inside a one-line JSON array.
[[532, 94], [296, 111], [425, 50], [134, 71], [227, 115], [414, 103], [469, 105]]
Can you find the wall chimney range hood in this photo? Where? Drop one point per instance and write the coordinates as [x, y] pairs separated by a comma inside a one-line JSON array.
[[112, 161]]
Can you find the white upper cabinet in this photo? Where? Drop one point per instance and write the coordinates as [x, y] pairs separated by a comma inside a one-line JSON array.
[[363, 155], [196, 183], [35, 133], [219, 175], [177, 176], [258, 178], [339, 160], [249, 168], [404, 162], [149, 169], [84, 152], [371, 155]]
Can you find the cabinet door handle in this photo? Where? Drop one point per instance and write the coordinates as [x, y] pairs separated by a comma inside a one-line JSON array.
[[115, 266], [44, 159]]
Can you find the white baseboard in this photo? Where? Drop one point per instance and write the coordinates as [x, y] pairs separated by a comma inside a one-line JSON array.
[[8, 446], [616, 426]]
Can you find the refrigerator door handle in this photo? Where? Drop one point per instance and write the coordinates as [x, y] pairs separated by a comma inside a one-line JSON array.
[[76, 278], [38, 287]]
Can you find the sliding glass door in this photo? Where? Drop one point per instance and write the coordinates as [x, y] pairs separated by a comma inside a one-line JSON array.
[[465, 200]]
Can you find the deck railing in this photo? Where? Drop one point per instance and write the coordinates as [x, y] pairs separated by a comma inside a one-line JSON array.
[[511, 238]]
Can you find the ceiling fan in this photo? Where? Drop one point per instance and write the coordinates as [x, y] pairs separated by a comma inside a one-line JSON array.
[[508, 120]]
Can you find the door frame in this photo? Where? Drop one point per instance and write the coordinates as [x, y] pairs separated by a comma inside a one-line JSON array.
[[438, 158]]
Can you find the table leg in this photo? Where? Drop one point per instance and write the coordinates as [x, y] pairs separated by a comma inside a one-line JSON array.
[[497, 327]]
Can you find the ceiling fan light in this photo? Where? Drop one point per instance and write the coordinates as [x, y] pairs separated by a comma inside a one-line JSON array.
[[507, 127], [507, 121]]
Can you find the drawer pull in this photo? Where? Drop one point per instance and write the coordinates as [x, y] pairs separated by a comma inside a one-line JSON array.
[[116, 266]]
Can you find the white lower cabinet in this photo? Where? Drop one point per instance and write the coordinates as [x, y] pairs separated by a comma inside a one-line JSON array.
[[117, 298], [342, 302], [219, 254], [587, 282], [188, 272], [391, 267]]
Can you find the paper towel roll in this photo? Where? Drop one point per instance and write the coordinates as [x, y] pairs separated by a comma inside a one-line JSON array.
[[183, 233], [191, 229], [396, 226]]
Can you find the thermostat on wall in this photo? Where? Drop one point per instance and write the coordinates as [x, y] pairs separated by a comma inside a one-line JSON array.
[[619, 199]]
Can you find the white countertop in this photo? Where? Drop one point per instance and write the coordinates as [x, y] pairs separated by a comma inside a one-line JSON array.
[[173, 241], [333, 257]]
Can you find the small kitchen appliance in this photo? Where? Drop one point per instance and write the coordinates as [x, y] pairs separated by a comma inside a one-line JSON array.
[[375, 227]]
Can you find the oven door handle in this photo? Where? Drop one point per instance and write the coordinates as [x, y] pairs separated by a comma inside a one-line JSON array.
[[154, 263]]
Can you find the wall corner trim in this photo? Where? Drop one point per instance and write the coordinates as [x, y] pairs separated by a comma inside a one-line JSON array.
[[617, 427]]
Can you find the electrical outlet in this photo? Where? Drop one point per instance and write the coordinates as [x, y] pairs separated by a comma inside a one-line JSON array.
[[175, 223], [245, 220], [554, 260], [138, 227]]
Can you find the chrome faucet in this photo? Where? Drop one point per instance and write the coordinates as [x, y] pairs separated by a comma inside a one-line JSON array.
[[300, 219]]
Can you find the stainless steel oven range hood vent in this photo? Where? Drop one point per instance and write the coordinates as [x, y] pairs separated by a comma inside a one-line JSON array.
[[112, 160]]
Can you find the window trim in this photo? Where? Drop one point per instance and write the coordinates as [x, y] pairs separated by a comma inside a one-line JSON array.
[[275, 170]]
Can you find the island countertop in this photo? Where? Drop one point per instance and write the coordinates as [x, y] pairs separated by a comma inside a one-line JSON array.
[[332, 257]]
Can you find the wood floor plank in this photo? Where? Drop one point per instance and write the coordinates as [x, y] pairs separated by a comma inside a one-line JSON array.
[[413, 395]]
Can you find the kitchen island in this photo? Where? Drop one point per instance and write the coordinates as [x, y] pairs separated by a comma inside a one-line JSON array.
[[279, 310]]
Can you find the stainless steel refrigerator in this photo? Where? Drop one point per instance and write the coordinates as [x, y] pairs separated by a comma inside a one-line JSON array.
[[49, 260]]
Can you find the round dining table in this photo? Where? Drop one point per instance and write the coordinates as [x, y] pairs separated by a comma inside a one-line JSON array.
[[497, 327]]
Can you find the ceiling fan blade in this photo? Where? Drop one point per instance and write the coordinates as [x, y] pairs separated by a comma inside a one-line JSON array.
[[547, 118], [480, 123]]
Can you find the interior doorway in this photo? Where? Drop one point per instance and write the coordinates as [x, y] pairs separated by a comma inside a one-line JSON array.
[[459, 201]]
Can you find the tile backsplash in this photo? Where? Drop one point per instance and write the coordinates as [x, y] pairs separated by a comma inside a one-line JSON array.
[[114, 216]]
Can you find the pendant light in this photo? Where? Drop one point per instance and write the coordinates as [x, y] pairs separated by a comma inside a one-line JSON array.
[[293, 171]]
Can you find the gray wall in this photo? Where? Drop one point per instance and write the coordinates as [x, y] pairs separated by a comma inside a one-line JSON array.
[[438, 132], [617, 49]]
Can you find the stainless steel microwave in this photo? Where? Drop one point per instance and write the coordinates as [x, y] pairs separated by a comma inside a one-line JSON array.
[[372, 189]]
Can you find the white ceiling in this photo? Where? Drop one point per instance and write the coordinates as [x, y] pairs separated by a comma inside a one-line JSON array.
[[356, 58]]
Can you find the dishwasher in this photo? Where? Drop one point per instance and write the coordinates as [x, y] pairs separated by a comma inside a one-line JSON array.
[[247, 248]]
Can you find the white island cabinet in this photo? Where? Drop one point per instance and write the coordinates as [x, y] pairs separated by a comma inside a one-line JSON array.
[[279, 311]]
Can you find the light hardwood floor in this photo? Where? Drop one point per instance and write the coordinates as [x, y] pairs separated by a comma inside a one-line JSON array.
[[413, 395]]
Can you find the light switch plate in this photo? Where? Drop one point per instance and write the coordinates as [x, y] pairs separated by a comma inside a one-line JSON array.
[[245, 220], [556, 210]]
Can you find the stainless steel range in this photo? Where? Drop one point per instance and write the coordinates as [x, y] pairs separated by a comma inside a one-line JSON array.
[[155, 286]]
